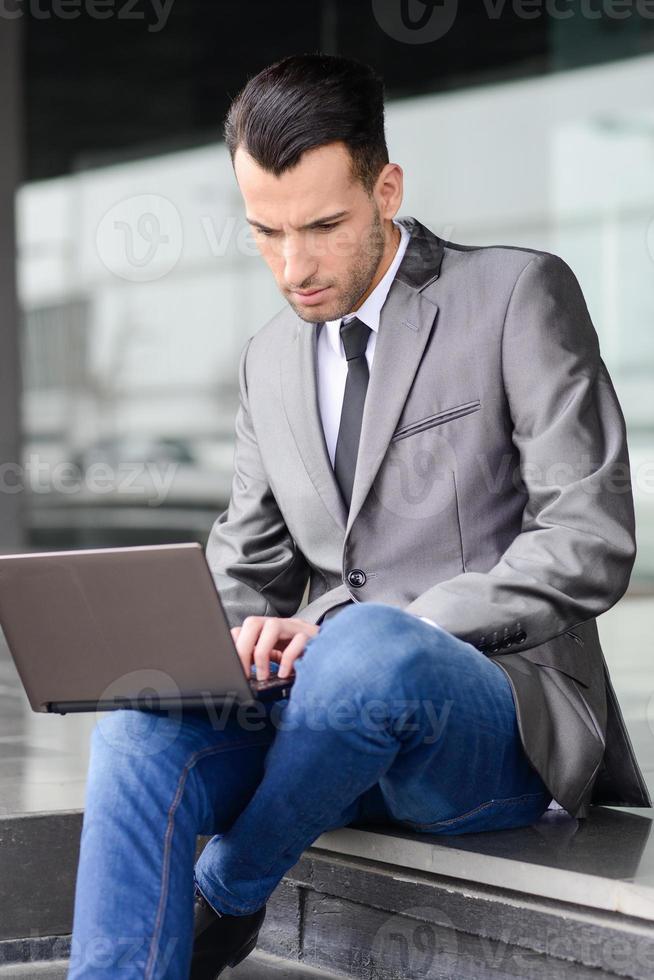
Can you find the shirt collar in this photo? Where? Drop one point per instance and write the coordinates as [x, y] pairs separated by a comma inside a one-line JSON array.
[[370, 310]]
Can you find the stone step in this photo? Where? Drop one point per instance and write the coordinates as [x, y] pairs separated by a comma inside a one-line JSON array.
[[257, 966], [556, 900], [55, 970]]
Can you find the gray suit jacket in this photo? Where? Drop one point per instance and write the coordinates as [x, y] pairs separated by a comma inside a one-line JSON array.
[[492, 491]]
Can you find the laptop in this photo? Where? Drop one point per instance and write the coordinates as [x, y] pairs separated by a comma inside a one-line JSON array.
[[106, 628]]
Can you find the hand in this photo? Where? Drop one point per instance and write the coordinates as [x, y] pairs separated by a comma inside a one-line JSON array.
[[267, 638]]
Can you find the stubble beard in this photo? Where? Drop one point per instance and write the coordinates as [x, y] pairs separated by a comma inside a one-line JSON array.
[[363, 268]]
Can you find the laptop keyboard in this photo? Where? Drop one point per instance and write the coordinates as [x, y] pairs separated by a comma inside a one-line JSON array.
[[273, 681]]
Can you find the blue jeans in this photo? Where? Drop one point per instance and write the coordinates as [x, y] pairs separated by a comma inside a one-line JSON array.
[[389, 721]]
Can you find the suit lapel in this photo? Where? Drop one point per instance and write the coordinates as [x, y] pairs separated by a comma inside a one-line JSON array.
[[406, 323]]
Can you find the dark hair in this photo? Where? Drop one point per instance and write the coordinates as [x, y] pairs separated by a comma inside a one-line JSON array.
[[305, 101]]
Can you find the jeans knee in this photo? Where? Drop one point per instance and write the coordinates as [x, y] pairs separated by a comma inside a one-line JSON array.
[[367, 625], [368, 649], [380, 632]]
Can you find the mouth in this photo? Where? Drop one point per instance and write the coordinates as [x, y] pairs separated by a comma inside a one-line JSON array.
[[312, 296]]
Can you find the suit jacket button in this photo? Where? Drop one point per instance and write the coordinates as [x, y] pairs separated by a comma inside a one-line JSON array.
[[356, 578], [520, 636]]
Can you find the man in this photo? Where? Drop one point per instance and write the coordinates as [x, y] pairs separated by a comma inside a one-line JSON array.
[[428, 438]]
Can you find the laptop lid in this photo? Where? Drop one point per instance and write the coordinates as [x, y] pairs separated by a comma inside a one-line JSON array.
[[136, 626]]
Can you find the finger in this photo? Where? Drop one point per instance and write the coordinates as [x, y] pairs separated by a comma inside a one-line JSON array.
[[293, 651], [276, 655], [246, 639], [235, 631], [311, 629], [266, 642]]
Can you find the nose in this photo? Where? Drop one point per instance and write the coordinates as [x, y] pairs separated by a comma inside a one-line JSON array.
[[300, 267]]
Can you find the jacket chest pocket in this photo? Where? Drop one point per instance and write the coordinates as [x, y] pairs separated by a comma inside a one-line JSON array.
[[438, 418]]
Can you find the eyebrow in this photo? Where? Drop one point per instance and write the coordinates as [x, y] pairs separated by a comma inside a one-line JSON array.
[[311, 224]]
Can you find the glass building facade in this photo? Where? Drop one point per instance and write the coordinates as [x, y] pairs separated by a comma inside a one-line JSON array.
[[139, 281]]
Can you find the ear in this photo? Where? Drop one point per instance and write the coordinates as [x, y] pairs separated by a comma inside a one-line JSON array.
[[389, 190]]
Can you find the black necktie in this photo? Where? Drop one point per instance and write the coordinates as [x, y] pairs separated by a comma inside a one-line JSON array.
[[355, 339]]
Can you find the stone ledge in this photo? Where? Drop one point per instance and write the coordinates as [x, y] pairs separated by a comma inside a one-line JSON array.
[[604, 863], [369, 919], [555, 900]]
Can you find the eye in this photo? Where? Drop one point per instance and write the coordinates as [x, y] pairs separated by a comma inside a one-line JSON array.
[[268, 232]]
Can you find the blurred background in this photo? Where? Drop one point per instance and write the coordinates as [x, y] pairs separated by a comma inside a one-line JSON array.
[[129, 280]]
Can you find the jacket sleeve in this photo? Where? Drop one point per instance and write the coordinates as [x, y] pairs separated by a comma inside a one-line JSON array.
[[255, 563], [573, 556]]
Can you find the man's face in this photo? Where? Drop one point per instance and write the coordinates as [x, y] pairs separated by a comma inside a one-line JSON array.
[[318, 230]]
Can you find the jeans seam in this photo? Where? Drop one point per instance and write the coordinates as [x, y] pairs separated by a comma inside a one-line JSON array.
[[476, 809], [170, 823]]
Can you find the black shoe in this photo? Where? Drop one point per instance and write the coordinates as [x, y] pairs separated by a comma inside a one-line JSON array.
[[221, 940]]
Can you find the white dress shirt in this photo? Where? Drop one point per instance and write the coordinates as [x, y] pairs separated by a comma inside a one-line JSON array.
[[332, 363]]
